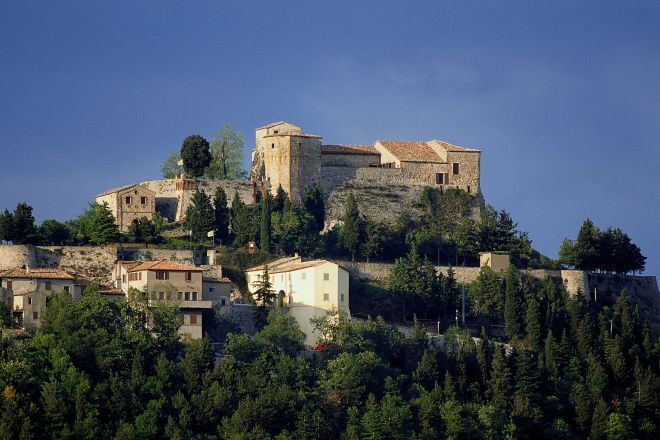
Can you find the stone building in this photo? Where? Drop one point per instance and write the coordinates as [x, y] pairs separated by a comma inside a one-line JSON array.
[[27, 291], [128, 204], [286, 156]]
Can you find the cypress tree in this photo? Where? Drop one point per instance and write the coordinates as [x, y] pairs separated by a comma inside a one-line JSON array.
[[200, 216], [533, 325], [599, 420], [313, 203], [222, 216], [103, 229], [24, 230], [6, 226], [527, 397], [500, 380], [264, 241], [241, 227], [352, 226], [513, 304]]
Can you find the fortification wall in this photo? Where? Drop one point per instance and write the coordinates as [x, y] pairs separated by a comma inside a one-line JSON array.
[[17, 255], [172, 202]]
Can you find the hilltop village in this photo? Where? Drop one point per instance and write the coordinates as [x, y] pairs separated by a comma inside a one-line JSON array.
[[351, 291], [386, 179]]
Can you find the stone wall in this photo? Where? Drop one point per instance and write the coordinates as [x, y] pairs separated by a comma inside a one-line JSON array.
[[17, 255], [172, 202]]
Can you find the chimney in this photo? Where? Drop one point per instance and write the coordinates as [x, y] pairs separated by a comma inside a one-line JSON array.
[[27, 267]]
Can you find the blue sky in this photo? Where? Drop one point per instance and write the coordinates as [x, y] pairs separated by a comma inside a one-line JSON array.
[[563, 97]]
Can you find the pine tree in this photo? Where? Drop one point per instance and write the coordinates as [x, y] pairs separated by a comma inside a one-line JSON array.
[[549, 354], [582, 406], [449, 388], [264, 241], [24, 230], [527, 396], [586, 247], [222, 216], [103, 229], [281, 197], [513, 304], [241, 227], [200, 216], [6, 226], [599, 420]]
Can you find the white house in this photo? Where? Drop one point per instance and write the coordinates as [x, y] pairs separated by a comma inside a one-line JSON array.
[[306, 288]]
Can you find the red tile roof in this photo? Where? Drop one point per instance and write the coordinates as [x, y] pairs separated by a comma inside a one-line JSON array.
[[412, 151], [122, 188], [349, 149], [299, 266], [163, 265], [455, 148], [40, 273], [272, 124], [272, 264]]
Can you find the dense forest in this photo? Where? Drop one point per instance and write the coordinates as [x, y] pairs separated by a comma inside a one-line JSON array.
[[568, 369]]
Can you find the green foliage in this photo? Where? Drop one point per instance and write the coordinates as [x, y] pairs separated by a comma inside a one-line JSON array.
[[102, 228], [353, 226], [415, 279], [20, 225], [52, 232], [486, 294], [5, 316], [143, 230], [226, 150], [241, 226], [313, 203], [513, 303], [264, 238], [196, 155], [200, 215], [222, 216], [170, 167]]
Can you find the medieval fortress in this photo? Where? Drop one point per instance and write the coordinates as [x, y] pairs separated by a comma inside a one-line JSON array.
[[387, 177]]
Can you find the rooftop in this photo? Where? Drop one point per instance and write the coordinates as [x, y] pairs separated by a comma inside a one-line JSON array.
[[121, 188], [412, 151], [274, 263], [163, 265], [455, 148], [299, 266], [349, 149], [36, 273]]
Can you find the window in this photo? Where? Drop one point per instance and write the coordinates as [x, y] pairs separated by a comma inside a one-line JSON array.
[[341, 297], [193, 296], [272, 146], [127, 199], [276, 131], [66, 289], [211, 289], [162, 275], [143, 200], [326, 297], [35, 315], [186, 296], [441, 178], [8, 284], [123, 278], [468, 189], [29, 300], [303, 276], [455, 168], [49, 285], [193, 319], [188, 276], [326, 277]]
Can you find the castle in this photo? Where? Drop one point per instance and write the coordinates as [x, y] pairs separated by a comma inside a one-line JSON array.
[[286, 156], [388, 175]]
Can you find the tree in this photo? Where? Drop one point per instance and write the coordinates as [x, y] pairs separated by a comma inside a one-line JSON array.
[[313, 203], [499, 387], [200, 215], [53, 232], [486, 293], [586, 247], [353, 224], [5, 315], [196, 155], [241, 226], [6, 226], [264, 241], [143, 231], [102, 228], [222, 215], [513, 304], [533, 325], [24, 229], [170, 167], [226, 155], [281, 197]]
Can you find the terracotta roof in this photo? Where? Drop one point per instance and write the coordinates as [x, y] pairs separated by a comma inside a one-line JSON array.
[[299, 266], [294, 134], [216, 280], [349, 149], [130, 264], [412, 151], [41, 273], [121, 188], [272, 124], [455, 148], [163, 265], [273, 263]]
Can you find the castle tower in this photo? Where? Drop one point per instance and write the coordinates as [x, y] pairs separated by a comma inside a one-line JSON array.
[[286, 156]]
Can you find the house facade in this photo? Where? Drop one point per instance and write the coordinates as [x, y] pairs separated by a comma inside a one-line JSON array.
[[128, 204], [308, 289], [169, 283], [27, 291]]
